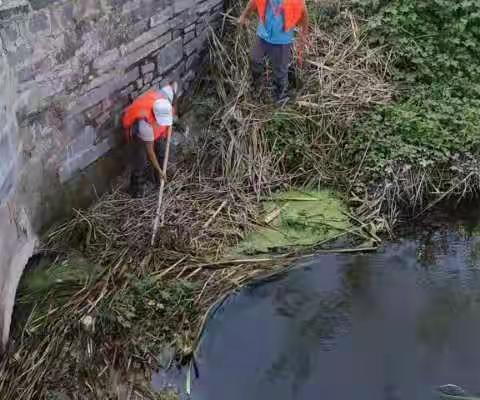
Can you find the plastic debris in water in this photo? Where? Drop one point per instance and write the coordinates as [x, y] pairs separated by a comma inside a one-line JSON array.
[[455, 392], [452, 390]]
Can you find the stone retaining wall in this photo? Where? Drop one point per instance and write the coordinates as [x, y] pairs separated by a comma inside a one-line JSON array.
[[72, 66]]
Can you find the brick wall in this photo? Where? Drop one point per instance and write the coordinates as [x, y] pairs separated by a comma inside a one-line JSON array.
[[69, 68]]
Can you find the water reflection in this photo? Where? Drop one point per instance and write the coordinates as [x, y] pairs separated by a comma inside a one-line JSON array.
[[387, 326], [315, 319]]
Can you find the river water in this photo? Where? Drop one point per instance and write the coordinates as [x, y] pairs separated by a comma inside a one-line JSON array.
[[390, 325]]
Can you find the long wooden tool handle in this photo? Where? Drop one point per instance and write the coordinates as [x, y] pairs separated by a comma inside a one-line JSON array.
[[162, 187]]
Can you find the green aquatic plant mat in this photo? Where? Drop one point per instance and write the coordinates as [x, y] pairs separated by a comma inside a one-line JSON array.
[[297, 219]]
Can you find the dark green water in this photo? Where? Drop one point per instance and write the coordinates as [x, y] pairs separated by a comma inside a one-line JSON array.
[[391, 325]]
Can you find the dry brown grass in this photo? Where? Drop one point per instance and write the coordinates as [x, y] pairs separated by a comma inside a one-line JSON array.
[[303, 143]]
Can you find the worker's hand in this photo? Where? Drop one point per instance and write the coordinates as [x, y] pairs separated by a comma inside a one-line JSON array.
[[162, 175], [243, 20], [304, 40]]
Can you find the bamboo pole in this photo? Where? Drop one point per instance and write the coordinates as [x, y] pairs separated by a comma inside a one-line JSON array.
[[162, 187]]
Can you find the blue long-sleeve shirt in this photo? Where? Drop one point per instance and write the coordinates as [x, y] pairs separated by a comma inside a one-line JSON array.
[[273, 30]]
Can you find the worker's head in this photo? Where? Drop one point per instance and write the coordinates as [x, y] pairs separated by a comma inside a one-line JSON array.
[[163, 111], [171, 90]]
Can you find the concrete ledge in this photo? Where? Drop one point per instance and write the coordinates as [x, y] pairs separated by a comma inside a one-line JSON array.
[[17, 243]]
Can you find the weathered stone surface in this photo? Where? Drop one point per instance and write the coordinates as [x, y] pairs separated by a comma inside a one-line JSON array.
[[102, 119], [189, 28], [61, 17], [93, 112], [81, 143], [161, 17], [40, 22], [108, 60], [19, 55], [97, 95], [11, 8], [130, 6], [170, 55], [192, 62], [208, 5], [145, 51], [82, 160], [189, 76], [202, 25], [95, 82], [176, 33], [182, 5], [147, 78], [150, 67], [188, 37], [9, 32], [191, 47], [147, 37], [127, 91]]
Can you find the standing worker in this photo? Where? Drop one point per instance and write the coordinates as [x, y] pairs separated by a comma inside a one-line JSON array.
[[148, 122], [275, 37]]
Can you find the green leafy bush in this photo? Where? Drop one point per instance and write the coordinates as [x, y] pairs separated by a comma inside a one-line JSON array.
[[436, 44], [429, 126]]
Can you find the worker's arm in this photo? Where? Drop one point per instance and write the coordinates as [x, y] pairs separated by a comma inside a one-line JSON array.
[[249, 9], [304, 27], [150, 149]]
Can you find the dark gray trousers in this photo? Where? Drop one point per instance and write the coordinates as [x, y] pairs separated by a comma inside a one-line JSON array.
[[280, 56], [142, 171]]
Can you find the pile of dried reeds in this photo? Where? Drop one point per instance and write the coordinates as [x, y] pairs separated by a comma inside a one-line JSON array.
[[75, 348], [415, 191], [201, 217], [138, 298], [305, 142]]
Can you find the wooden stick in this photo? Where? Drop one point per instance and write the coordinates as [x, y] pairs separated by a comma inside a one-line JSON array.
[[275, 213], [162, 187], [207, 224]]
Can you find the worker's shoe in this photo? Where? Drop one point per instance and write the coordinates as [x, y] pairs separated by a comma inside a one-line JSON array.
[[138, 192], [258, 85], [258, 94], [294, 79], [283, 97], [138, 187]]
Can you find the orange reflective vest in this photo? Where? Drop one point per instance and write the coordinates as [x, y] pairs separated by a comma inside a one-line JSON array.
[[293, 11], [142, 108]]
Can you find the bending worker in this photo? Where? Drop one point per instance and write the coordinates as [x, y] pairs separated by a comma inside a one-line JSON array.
[[148, 122], [275, 37]]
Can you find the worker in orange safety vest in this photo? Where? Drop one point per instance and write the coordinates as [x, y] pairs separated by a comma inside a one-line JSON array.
[[275, 37], [147, 123]]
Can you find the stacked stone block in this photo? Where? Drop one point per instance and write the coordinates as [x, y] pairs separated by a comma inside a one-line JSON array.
[[80, 62]]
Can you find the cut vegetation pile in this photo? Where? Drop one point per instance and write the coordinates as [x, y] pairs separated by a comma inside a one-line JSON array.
[[110, 303], [256, 142]]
